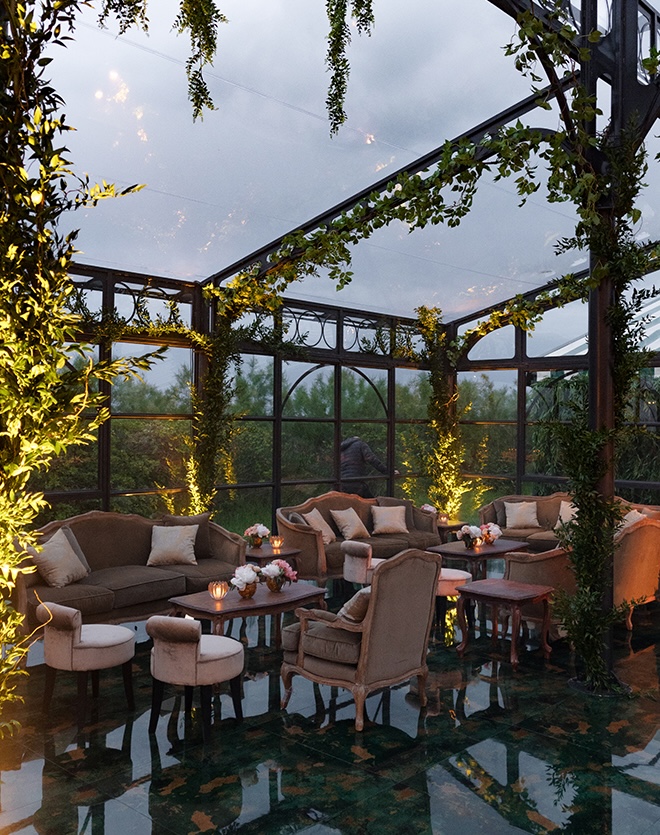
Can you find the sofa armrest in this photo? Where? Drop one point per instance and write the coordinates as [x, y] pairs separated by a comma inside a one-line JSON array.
[[487, 514], [425, 520], [226, 545], [311, 561]]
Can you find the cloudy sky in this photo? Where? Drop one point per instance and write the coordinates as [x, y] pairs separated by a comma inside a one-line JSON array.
[[263, 162]]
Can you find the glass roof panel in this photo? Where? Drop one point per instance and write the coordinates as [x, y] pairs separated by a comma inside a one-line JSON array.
[[264, 162]]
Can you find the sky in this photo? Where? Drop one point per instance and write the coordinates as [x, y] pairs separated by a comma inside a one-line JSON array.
[[264, 162]]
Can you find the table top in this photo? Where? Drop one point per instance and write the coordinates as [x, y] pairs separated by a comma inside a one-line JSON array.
[[480, 552], [263, 601], [266, 553], [509, 590]]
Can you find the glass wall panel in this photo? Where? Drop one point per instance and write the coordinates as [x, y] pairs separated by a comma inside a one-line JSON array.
[[252, 451], [254, 386], [562, 332], [147, 454], [307, 390], [542, 488], [295, 494], [490, 449], [77, 469], [164, 389], [364, 395], [550, 394], [490, 395], [412, 394], [307, 450], [411, 445], [499, 344], [238, 509], [148, 505], [65, 509]]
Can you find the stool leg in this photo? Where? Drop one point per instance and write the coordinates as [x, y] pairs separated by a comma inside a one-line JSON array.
[[207, 692], [127, 673], [82, 695], [156, 701], [235, 688], [49, 687], [188, 700]]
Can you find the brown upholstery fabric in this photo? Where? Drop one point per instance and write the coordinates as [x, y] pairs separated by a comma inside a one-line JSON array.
[[422, 539], [389, 501], [199, 576], [99, 534], [133, 584], [88, 599], [332, 644], [203, 538]]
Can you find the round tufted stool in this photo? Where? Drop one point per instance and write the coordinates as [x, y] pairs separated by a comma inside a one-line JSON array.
[[70, 645], [448, 582], [182, 655]]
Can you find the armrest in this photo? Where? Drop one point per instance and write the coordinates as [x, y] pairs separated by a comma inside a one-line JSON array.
[[311, 561], [547, 568], [328, 619], [425, 520], [226, 545]]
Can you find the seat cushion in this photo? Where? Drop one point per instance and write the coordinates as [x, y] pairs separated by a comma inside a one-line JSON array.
[[449, 579], [90, 600], [101, 646], [133, 584], [422, 539], [335, 645], [220, 659], [385, 545], [199, 576]]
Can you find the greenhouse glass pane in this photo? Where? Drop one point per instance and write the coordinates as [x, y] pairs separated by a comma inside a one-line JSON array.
[[363, 395], [412, 394], [239, 508], [562, 332], [489, 449], [148, 454], [164, 389], [489, 395], [252, 451], [254, 386], [77, 469], [307, 391], [307, 450]]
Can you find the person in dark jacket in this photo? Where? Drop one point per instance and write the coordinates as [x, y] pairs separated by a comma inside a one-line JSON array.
[[356, 458]]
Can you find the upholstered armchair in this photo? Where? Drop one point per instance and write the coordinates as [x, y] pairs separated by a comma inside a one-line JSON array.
[[359, 562], [377, 639]]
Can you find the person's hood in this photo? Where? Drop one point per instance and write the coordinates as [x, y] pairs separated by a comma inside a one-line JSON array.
[[345, 444]]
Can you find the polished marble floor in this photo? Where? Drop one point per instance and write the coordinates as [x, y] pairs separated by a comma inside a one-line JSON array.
[[495, 752]]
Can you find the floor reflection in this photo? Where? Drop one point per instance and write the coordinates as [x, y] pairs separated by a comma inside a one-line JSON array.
[[494, 752]]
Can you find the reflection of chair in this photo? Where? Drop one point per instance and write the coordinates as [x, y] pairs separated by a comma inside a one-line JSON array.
[[359, 564], [387, 646], [68, 645], [182, 655]]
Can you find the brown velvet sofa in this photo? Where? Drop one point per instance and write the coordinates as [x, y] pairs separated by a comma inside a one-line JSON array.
[[121, 586], [544, 537], [321, 562]]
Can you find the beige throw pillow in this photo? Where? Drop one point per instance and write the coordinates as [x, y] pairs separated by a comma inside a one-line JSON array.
[[631, 517], [173, 545], [355, 609], [389, 519], [521, 515], [567, 511], [349, 523], [57, 562], [203, 540], [316, 521]]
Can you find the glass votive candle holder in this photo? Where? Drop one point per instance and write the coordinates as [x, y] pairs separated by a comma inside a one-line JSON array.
[[443, 518], [218, 589], [277, 542]]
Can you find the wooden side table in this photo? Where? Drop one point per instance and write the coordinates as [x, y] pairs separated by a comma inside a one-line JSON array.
[[513, 596], [266, 553], [447, 527]]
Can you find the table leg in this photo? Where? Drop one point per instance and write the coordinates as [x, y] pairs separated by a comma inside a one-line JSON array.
[[515, 632], [545, 629], [277, 620], [218, 626], [494, 613], [462, 622]]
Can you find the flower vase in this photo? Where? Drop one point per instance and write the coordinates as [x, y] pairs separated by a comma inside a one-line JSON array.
[[248, 591], [467, 541], [488, 539], [256, 541], [275, 583]]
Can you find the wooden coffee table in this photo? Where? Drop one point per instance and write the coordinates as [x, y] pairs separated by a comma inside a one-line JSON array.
[[509, 594], [477, 557], [203, 607]]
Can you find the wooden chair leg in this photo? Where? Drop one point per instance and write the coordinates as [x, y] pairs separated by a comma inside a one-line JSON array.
[[95, 684], [206, 694], [49, 686], [235, 688], [188, 700], [82, 696], [156, 701], [127, 673]]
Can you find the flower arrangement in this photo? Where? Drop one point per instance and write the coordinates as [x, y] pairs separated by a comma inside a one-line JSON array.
[[278, 572], [490, 532], [429, 508], [245, 575], [256, 534], [470, 534]]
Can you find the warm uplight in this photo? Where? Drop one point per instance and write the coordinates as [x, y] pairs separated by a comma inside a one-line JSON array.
[[218, 589], [276, 542]]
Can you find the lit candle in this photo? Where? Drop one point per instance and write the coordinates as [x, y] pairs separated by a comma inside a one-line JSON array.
[[218, 589], [276, 542], [443, 518]]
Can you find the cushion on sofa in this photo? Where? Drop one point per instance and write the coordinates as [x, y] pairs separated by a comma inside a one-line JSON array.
[[521, 515], [349, 523], [203, 538], [113, 539], [321, 641], [199, 576], [389, 519], [390, 501], [567, 511], [422, 539], [133, 584], [57, 561], [173, 545], [90, 600], [315, 520]]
